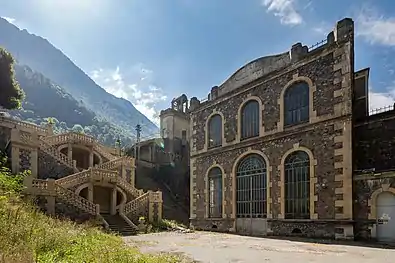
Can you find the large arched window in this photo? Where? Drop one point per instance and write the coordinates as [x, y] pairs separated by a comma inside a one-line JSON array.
[[297, 185], [250, 119], [215, 192], [251, 181], [296, 104], [215, 131]]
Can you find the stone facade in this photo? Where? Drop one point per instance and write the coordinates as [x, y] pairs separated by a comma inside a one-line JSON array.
[[24, 159], [326, 138]]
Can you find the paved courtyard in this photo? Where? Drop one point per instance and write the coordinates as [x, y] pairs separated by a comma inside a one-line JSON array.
[[209, 247]]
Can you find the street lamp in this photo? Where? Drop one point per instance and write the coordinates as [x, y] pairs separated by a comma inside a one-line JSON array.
[[118, 144]]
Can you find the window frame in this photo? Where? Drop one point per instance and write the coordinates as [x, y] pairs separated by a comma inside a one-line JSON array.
[[215, 134], [297, 206], [215, 192], [296, 104], [250, 122]]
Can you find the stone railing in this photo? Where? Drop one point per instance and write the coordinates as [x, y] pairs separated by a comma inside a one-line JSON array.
[[100, 149], [50, 187], [70, 197], [105, 175], [121, 182], [46, 147], [115, 163], [79, 137], [99, 174], [111, 165], [69, 137], [134, 206], [74, 179], [26, 125]]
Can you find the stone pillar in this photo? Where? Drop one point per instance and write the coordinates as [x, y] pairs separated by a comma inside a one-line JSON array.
[[49, 129], [90, 192], [50, 205], [51, 199], [70, 151], [113, 201], [15, 160], [15, 151], [155, 206], [34, 156], [91, 159]]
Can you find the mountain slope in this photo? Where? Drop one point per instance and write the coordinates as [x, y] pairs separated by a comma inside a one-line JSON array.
[[42, 56], [46, 99]]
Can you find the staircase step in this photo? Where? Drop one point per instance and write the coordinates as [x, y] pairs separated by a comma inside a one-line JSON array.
[[118, 225]]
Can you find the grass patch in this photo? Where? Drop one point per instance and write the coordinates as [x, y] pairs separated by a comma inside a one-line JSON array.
[[27, 235]]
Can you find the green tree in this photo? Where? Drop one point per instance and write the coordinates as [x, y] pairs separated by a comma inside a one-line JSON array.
[[78, 128], [11, 94]]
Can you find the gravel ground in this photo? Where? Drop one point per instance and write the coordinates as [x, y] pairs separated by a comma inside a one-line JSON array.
[[209, 247]]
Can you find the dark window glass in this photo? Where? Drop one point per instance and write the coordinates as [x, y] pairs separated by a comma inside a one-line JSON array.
[[215, 131], [296, 104], [297, 186], [251, 190], [250, 120], [215, 192]]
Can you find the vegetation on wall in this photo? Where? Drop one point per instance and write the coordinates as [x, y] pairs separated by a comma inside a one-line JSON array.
[[11, 94]]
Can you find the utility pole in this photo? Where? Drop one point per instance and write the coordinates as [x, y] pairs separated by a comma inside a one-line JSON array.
[[138, 133]]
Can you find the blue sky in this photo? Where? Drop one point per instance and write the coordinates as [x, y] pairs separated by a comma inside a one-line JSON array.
[[149, 51]]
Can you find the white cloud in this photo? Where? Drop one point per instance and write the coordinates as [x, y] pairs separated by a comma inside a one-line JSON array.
[[285, 10], [9, 19], [380, 100], [375, 28], [135, 85]]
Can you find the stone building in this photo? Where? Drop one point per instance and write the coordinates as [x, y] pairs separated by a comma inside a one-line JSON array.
[[272, 147]]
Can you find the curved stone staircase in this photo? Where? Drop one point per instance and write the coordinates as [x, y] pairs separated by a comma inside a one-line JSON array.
[[109, 171]]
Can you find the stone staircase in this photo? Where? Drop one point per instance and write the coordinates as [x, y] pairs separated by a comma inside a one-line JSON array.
[[118, 225], [60, 189]]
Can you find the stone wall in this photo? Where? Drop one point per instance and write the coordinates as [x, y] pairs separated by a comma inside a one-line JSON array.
[[5, 136], [24, 159], [326, 138], [374, 142], [48, 167], [65, 210]]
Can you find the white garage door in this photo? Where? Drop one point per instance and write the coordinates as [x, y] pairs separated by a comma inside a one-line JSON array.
[[386, 217]]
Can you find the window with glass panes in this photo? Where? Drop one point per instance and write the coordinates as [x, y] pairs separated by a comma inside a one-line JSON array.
[[250, 119], [215, 192], [251, 187], [296, 104], [215, 131], [297, 185]]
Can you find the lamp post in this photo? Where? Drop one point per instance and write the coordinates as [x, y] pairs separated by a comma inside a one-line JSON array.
[[118, 144]]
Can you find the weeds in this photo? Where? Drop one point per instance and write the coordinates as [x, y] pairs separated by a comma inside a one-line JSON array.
[[27, 235]]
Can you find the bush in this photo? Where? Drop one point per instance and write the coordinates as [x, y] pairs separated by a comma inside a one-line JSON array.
[[27, 235]]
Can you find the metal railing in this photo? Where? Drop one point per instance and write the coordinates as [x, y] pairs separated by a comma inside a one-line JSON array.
[[381, 109], [318, 44]]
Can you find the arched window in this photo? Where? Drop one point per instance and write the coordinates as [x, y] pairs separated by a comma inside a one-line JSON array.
[[296, 104], [297, 185], [215, 131], [250, 119], [215, 192], [251, 181]]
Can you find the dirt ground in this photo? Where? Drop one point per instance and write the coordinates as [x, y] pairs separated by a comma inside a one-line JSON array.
[[208, 247]]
